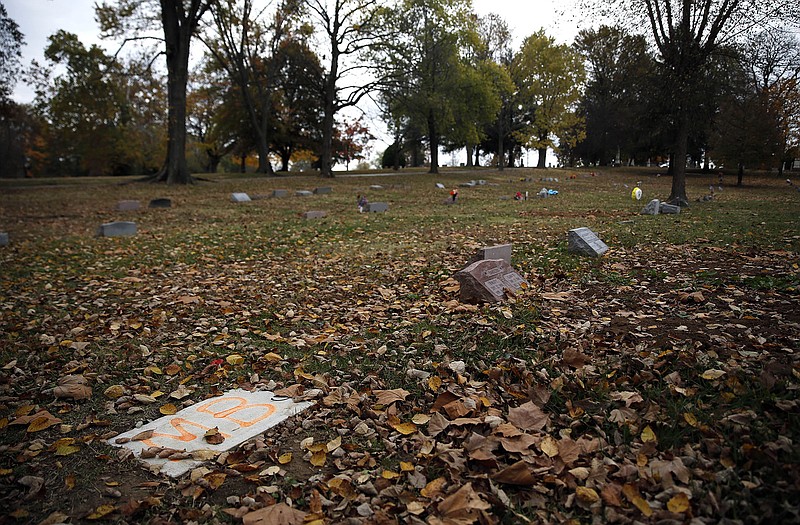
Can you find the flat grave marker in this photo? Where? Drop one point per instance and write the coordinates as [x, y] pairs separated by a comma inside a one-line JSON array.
[[280, 193], [315, 214], [303, 193], [117, 229], [376, 187], [584, 241], [238, 415], [488, 281], [440, 186], [160, 203], [240, 197], [323, 190], [128, 205], [377, 207]]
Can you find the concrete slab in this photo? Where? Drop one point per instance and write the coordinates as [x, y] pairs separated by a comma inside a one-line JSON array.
[[238, 414]]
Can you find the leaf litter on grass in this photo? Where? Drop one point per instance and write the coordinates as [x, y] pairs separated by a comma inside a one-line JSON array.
[[657, 384]]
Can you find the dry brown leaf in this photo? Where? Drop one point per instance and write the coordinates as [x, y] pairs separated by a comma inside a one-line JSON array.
[[278, 514], [517, 474], [528, 417], [387, 397]]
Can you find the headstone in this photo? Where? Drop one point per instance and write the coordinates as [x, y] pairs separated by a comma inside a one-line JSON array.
[[376, 187], [323, 190], [238, 415], [498, 251], [160, 203], [670, 208], [377, 207], [315, 214], [303, 193], [3, 239], [652, 207], [488, 281], [128, 205], [280, 193], [440, 186], [240, 197], [584, 241], [470, 184], [117, 229], [505, 197], [481, 182]]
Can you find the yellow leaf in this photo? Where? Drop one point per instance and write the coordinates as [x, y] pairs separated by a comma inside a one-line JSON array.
[[689, 418], [388, 474], [648, 436], [168, 409], [153, 369], [5, 471], [41, 423], [434, 488], [679, 503], [403, 428], [234, 359], [272, 356], [632, 493], [69, 482], [318, 458], [66, 450], [434, 383], [421, 419], [334, 444], [285, 458], [101, 511], [712, 374], [549, 446], [405, 466], [586, 495]]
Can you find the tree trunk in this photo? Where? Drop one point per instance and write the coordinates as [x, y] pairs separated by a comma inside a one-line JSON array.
[[243, 163], [329, 110], [433, 139], [678, 161], [740, 174], [469, 155], [542, 158]]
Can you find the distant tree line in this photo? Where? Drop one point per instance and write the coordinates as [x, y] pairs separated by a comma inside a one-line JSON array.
[[274, 81]]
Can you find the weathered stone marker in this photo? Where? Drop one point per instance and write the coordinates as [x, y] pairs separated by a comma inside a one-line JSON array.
[[3, 239], [280, 193], [670, 208], [653, 207], [117, 229], [303, 193], [240, 197], [584, 241], [470, 184], [488, 281], [160, 203], [376, 187], [128, 205], [238, 415], [498, 251], [440, 185], [377, 207], [323, 190], [315, 214]]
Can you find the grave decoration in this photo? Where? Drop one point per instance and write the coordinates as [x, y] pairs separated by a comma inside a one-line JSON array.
[[240, 197], [376, 207], [584, 241], [160, 203], [498, 251], [117, 229], [636, 194], [237, 416], [315, 214], [128, 205], [489, 280], [652, 207]]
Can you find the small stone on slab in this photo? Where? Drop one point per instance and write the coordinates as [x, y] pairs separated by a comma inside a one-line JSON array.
[[488, 281], [160, 203], [652, 207], [584, 241], [377, 207], [128, 205], [315, 214], [240, 197], [117, 229]]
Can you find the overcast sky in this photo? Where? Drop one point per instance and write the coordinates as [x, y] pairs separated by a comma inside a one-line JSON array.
[[38, 19]]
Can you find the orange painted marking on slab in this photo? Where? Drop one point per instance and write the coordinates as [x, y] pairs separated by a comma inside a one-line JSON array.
[[269, 409]]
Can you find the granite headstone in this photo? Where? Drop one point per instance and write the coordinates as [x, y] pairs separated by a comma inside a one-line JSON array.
[[280, 193], [498, 251], [160, 203], [670, 208], [240, 197], [128, 205], [117, 229], [489, 281], [323, 190], [303, 193], [377, 207], [315, 214], [584, 241], [652, 207]]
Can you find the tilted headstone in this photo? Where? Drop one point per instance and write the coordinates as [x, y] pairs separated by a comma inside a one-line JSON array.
[[670, 208], [315, 214], [585, 242], [160, 203], [498, 251], [323, 190], [280, 193], [303, 193], [440, 186], [376, 187], [128, 205], [117, 229], [3, 239], [489, 281], [240, 197], [653, 207], [377, 207]]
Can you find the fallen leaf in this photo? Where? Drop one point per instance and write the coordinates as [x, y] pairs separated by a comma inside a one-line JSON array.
[[632, 493], [101, 512], [387, 397], [648, 436], [679, 503], [213, 436], [168, 409], [549, 446], [712, 374], [528, 417], [234, 359], [278, 514]]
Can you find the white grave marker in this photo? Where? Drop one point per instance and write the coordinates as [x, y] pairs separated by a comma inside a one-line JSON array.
[[238, 414]]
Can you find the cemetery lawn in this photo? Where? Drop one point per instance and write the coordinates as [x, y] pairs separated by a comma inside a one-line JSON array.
[[657, 384]]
